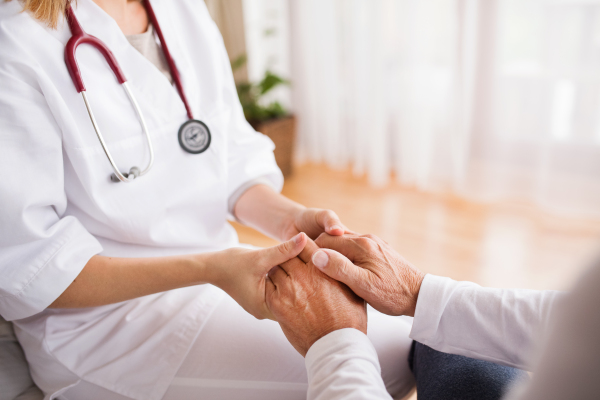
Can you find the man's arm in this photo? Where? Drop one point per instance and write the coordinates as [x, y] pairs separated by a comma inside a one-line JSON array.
[[497, 325], [344, 365], [461, 318]]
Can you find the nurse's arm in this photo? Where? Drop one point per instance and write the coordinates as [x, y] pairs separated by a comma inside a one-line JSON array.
[[275, 215], [238, 271], [106, 280]]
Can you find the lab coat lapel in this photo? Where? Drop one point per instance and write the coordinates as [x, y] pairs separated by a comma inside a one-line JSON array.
[[158, 99], [174, 40]]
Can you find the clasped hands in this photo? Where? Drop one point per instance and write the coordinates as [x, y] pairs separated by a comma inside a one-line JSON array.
[[313, 288], [327, 286]]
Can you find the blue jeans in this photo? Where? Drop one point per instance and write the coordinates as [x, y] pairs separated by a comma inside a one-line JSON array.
[[442, 376]]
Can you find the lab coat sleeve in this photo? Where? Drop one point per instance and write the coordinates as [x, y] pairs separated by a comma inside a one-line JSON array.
[[250, 154], [344, 365], [497, 325], [40, 252]]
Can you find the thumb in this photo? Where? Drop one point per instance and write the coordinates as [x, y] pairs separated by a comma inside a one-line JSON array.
[[338, 267], [331, 223], [285, 251]]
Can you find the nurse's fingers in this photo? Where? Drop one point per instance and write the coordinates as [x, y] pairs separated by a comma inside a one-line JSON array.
[[283, 252], [331, 223]]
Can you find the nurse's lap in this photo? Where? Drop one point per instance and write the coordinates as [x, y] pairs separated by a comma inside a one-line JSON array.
[[239, 357]]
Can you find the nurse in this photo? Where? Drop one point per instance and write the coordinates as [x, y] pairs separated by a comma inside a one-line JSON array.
[[137, 290]]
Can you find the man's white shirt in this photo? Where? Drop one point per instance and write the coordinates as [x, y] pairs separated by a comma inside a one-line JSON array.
[[498, 325]]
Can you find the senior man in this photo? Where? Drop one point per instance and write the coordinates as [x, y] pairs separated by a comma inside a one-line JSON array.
[[327, 323]]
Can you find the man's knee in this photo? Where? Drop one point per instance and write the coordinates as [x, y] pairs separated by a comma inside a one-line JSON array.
[[448, 376]]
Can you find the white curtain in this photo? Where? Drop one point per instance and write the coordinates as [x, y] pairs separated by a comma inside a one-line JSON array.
[[491, 99]]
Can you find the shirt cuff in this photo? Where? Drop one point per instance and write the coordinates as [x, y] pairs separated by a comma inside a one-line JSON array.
[[235, 196], [344, 365], [344, 344], [433, 296]]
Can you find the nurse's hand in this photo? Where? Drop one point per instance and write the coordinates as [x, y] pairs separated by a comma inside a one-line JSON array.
[[242, 273], [281, 218], [315, 221]]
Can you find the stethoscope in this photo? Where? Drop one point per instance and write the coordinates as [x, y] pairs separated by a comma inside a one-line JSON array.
[[194, 136]]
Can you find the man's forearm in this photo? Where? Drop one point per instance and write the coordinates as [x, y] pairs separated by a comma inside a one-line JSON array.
[[267, 211], [497, 325]]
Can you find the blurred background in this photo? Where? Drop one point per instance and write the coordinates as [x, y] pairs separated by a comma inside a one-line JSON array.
[[466, 133]]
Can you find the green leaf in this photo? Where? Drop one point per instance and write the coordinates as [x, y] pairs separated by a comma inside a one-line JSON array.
[[239, 62], [250, 95], [270, 81]]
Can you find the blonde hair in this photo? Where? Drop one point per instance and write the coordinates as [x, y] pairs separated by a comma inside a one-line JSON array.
[[47, 11]]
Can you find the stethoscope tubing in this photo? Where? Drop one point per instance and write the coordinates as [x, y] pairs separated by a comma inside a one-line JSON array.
[[172, 67], [133, 172], [79, 36]]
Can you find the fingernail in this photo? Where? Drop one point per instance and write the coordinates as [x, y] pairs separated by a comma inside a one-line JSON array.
[[320, 259], [298, 238], [333, 228]]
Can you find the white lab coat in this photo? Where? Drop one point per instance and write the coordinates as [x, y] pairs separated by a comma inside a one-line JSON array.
[[59, 208]]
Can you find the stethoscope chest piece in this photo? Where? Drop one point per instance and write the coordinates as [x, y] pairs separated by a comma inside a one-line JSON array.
[[194, 136]]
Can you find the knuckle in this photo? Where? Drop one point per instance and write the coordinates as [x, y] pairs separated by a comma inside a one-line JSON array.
[[325, 215], [284, 248], [363, 241], [330, 214], [342, 268], [369, 242]]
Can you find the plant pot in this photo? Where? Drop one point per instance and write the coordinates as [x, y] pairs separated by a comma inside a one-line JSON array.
[[282, 131]]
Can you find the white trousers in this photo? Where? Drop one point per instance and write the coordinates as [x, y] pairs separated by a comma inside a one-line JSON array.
[[239, 357]]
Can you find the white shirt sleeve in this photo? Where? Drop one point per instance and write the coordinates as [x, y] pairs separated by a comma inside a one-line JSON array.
[[41, 251], [497, 325], [344, 365]]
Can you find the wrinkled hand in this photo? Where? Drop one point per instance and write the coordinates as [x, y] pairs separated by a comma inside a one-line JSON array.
[[313, 222], [242, 273], [308, 304], [372, 269]]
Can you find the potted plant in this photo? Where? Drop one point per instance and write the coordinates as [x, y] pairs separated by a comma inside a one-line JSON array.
[[270, 119]]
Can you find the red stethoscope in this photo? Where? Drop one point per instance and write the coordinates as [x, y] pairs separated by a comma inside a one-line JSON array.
[[194, 136]]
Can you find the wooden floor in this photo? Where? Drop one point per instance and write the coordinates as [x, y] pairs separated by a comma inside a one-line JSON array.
[[499, 245]]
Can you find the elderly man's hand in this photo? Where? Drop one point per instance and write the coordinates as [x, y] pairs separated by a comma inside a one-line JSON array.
[[308, 304], [372, 269]]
